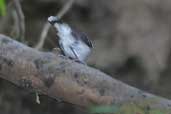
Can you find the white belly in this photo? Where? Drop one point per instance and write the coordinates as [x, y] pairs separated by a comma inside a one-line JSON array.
[[70, 44]]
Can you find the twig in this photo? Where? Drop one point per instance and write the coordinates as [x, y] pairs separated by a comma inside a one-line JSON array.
[[20, 21], [46, 27], [37, 98]]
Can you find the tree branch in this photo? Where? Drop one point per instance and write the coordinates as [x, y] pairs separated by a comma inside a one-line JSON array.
[[72, 82]]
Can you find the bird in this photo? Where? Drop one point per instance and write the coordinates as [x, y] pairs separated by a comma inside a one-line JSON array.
[[72, 43]]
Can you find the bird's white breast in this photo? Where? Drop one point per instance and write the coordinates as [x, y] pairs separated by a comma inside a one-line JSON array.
[[68, 43]]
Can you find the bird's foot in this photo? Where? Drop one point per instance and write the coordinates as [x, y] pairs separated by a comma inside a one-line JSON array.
[[63, 56], [78, 61], [56, 51]]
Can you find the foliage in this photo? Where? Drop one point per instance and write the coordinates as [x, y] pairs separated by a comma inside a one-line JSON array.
[[103, 109], [2, 7], [129, 108]]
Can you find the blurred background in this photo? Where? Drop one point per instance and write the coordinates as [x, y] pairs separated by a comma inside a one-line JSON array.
[[131, 43]]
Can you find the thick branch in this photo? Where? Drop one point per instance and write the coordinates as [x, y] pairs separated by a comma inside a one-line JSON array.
[[72, 82]]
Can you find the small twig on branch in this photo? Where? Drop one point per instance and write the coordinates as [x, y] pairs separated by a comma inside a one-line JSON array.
[[46, 27], [19, 19]]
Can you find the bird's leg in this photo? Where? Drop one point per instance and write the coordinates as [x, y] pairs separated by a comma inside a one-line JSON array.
[[56, 51]]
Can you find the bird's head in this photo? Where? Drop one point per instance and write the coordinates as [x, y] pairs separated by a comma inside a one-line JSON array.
[[53, 19], [63, 29]]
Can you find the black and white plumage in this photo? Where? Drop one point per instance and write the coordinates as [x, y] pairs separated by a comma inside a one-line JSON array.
[[73, 44]]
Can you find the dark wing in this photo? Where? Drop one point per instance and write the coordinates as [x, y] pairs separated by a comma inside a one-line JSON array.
[[81, 36]]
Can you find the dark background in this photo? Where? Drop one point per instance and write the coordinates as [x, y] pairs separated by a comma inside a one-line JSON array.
[[131, 43]]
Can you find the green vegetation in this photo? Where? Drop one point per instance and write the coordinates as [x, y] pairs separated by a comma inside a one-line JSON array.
[[104, 109], [129, 108], [2, 7]]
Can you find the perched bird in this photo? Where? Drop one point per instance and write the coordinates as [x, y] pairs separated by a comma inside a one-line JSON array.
[[73, 44]]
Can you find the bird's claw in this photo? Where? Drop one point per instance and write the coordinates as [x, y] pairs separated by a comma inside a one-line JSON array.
[[56, 51], [78, 61], [63, 56]]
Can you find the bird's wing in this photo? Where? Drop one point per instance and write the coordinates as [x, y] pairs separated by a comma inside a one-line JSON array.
[[74, 52], [81, 36]]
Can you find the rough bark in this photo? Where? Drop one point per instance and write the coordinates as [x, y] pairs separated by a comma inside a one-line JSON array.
[[72, 82]]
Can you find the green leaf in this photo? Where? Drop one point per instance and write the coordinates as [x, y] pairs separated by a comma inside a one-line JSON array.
[[103, 109], [156, 112], [2, 7]]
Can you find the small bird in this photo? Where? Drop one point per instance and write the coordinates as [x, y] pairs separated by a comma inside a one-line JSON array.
[[73, 44]]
